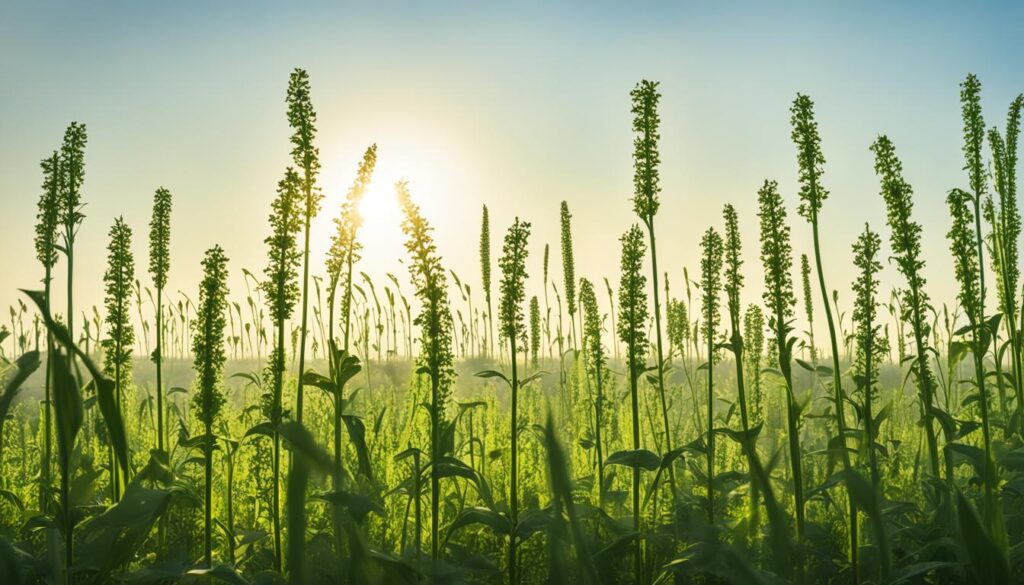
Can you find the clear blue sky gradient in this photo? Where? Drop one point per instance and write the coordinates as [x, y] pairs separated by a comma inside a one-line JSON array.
[[513, 105]]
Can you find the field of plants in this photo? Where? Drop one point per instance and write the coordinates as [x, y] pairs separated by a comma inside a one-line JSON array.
[[321, 426]]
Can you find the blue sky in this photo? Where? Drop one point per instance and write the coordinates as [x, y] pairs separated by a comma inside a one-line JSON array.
[[513, 105]]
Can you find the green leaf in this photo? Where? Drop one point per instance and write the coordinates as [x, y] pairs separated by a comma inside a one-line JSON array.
[[987, 559], [105, 389], [107, 542], [24, 366], [357, 433], [666, 461], [220, 573], [493, 374], [531, 522], [499, 523], [265, 429], [68, 409], [641, 458]]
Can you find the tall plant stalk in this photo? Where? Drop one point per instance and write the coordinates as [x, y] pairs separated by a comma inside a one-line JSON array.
[[306, 157], [568, 270], [777, 259], [596, 361], [435, 322], [1005, 224], [513, 327], [117, 347], [869, 355], [632, 331], [812, 195], [485, 275], [47, 226], [915, 306], [72, 175], [965, 209], [159, 265], [968, 272], [711, 285], [281, 294], [646, 187], [345, 248], [208, 349]]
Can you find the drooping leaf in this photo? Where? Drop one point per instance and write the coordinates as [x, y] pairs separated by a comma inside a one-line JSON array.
[[641, 458]]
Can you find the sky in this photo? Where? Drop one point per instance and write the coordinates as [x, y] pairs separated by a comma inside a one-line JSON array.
[[516, 106]]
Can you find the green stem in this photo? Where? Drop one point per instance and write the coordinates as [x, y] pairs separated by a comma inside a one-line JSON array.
[[837, 387]]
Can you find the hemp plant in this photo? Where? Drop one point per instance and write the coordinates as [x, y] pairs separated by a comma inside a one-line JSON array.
[[306, 157], [485, 275], [345, 248], [813, 194], [568, 270], [117, 346], [632, 331], [967, 245], [805, 281], [534, 330], [596, 361], [733, 273], [510, 312], [159, 265], [1005, 229], [72, 176], [209, 357], [435, 321], [711, 286], [646, 186], [281, 293], [753, 353], [962, 242], [777, 259], [46, 238], [869, 355], [915, 305]]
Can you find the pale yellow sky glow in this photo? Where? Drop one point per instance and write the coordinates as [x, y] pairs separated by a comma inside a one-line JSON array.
[[517, 109]]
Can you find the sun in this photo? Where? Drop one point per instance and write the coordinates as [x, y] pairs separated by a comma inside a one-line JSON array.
[[423, 159]]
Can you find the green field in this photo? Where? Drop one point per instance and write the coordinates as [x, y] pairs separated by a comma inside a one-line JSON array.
[[656, 426]]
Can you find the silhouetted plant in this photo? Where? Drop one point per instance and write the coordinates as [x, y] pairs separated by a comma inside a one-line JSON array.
[[777, 258], [1005, 226], [962, 243], [812, 194], [208, 349], [568, 270], [513, 294], [345, 248], [632, 331], [159, 265], [46, 244], [72, 176], [711, 286], [281, 291], [485, 275], [646, 187], [534, 330], [915, 306], [435, 322], [117, 346], [306, 157], [805, 280], [869, 355], [596, 361]]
